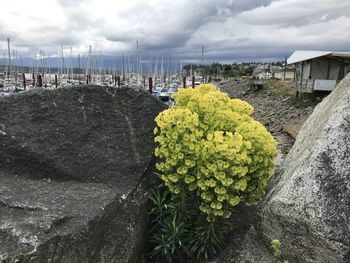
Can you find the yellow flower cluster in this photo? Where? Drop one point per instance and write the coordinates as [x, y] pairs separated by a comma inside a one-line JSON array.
[[210, 146]]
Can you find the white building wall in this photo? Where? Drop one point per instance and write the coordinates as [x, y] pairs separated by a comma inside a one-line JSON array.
[[306, 70], [320, 69], [334, 71]]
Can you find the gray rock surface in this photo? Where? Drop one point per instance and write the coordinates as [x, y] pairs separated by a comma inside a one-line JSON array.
[[243, 244], [249, 249], [308, 209], [73, 173]]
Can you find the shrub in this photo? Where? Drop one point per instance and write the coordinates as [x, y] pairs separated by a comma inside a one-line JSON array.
[[211, 148], [212, 156], [179, 230]]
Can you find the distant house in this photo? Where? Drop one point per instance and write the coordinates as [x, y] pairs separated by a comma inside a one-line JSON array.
[[262, 72], [267, 71], [285, 73], [319, 70]]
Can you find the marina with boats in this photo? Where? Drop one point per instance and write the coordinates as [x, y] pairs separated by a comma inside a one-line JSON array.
[[160, 78]]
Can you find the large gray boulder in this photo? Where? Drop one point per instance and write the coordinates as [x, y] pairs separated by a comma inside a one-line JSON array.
[[74, 165], [308, 209], [243, 244]]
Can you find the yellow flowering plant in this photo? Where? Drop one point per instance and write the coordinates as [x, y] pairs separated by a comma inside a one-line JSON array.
[[209, 146]]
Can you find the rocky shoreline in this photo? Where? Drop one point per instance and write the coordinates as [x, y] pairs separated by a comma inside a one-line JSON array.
[[274, 111]]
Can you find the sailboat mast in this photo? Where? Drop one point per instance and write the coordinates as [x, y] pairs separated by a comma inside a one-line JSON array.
[[62, 62], [123, 67], [77, 72], [155, 73], [70, 75], [181, 72], [15, 66], [88, 65], [9, 61], [150, 65], [161, 71], [137, 57], [129, 67], [49, 66]]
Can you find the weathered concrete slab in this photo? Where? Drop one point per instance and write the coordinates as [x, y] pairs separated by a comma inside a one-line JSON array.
[[72, 174]]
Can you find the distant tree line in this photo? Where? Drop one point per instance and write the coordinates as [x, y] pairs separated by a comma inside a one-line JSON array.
[[222, 70], [234, 70]]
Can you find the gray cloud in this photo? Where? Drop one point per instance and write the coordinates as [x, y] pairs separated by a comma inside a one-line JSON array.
[[173, 24], [229, 29], [70, 3], [296, 12]]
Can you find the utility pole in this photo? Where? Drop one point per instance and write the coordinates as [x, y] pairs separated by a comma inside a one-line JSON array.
[[285, 69], [202, 54]]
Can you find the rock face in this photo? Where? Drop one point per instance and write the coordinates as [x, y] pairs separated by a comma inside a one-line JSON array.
[[73, 168], [308, 209], [243, 244]]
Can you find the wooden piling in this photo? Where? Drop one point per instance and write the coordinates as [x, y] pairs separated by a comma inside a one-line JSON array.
[[118, 81], [56, 82], [150, 85], [33, 78], [24, 81], [40, 81], [184, 82], [193, 82]]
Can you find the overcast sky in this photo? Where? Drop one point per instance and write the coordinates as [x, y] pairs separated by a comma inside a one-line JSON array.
[[230, 30]]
